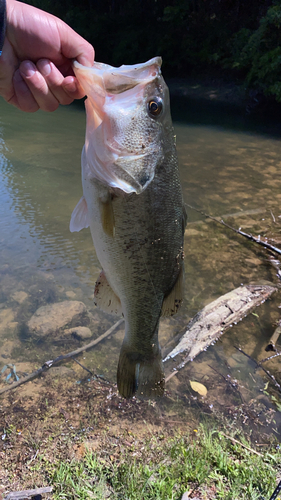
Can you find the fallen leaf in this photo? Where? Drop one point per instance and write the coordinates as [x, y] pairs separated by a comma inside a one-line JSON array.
[[197, 387]]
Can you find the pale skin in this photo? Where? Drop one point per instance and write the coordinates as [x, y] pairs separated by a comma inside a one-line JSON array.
[[36, 62]]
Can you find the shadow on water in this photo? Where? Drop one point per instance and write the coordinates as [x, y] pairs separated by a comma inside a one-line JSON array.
[[248, 115], [230, 165]]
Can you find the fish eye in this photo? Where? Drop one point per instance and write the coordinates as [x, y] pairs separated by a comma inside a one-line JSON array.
[[155, 107]]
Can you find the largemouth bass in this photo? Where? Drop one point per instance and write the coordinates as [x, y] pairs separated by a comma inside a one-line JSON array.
[[133, 204]]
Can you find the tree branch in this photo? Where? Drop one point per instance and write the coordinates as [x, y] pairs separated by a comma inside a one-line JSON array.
[[46, 366]]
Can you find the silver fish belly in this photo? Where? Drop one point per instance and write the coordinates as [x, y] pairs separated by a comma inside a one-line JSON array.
[[137, 224]]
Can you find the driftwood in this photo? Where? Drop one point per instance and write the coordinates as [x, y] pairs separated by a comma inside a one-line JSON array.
[[207, 326], [28, 494], [48, 364]]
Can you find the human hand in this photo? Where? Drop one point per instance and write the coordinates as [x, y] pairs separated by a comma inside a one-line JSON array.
[[36, 61]]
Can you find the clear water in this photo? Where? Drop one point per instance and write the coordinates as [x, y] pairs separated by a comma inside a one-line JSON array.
[[226, 170]]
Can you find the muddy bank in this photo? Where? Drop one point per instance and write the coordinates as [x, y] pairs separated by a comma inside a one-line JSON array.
[[54, 419]]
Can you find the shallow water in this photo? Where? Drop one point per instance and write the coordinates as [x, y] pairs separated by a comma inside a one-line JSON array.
[[224, 170]]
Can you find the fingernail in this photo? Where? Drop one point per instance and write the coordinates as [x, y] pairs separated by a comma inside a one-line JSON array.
[[27, 69], [70, 86], [44, 67]]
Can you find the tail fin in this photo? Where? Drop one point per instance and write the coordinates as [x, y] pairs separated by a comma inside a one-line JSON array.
[[145, 378]]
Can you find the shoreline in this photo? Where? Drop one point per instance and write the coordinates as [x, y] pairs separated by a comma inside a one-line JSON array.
[[216, 91]]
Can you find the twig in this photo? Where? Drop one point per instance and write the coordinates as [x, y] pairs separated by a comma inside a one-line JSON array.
[[276, 491], [46, 366], [216, 371], [229, 382], [259, 366], [276, 264], [238, 231], [19, 495], [241, 444], [273, 339], [171, 375], [270, 357], [82, 366], [273, 218]]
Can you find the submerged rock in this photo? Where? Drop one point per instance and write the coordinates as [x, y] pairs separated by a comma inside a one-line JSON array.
[[51, 318], [19, 296], [80, 332], [7, 323]]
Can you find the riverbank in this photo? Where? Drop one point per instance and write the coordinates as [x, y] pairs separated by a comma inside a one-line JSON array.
[[224, 95], [87, 442], [212, 90]]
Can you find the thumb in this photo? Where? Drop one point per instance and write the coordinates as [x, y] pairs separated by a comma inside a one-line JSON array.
[[73, 46]]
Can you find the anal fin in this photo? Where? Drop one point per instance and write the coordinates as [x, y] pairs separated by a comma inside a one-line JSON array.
[[105, 298], [173, 300]]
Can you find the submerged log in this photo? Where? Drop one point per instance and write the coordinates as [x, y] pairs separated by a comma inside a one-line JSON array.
[[210, 323]]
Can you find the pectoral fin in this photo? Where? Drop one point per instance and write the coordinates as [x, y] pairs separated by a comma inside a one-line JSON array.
[[107, 217], [105, 298], [173, 301], [79, 218]]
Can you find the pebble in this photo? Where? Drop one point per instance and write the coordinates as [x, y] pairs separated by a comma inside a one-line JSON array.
[[81, 332]]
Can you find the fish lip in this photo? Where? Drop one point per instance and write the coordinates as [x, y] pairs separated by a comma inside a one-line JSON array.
[[130, 75], [119, 69]]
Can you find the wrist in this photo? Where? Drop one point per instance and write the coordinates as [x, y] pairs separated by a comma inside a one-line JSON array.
[[3, 18]]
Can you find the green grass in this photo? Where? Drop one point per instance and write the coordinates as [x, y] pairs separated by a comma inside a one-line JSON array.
[[164, 469]]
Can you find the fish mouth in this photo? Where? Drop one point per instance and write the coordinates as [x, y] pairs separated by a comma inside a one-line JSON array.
[[118, 80], [115, 100]]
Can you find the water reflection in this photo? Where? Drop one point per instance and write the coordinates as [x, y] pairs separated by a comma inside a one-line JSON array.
[[223, 172]]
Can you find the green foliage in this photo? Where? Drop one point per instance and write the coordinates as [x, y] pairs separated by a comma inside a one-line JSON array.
[[258, 53], [165, 469], [243, 37]]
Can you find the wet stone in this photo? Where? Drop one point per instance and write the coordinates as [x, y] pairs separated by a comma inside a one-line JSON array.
[[52, 318]]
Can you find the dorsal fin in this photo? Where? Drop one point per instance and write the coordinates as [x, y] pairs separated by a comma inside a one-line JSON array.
[[173, 301], [79, 218], [105, 298]]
